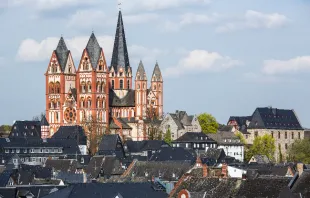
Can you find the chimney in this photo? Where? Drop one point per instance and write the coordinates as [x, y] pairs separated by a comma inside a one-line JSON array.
[[204, 170], [224, 170], [300, 168]]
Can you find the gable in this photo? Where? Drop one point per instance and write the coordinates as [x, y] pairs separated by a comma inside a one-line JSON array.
[[70, 68]]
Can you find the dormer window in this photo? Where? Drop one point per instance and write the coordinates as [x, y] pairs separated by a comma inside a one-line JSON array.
[[121, 74], [112, 74]]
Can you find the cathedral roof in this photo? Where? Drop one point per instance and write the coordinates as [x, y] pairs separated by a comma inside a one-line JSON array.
[[120, 53], [62, 53], [157, 73], [93, 49], [126, 101], [141, 72]]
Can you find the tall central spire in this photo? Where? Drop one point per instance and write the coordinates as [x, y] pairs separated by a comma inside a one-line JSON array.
[[120, 53]]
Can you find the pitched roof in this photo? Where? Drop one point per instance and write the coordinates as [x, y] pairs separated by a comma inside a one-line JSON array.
[[141, 72], [302, 184], [120, 53], [157, 73], [144, 145], [62, 53], [4, 177], [213, 153], [126, 101], [109, 190], [21, 129], [273, 118], [93, 49], [173, 154], [225, 138], [71, 132], [44, 121], [194, 137], [62, 165]]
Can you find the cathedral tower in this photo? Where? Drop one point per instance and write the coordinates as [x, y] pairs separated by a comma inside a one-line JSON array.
[[92, 84], [60, 79], [141, 92], [120, 70], [155, 97]]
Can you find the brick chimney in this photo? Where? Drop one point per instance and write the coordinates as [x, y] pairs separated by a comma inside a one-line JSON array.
[[204, 170], [300, 168], [224, 170]]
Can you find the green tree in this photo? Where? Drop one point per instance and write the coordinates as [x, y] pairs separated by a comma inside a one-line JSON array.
[[262, 145], [167, 137], [300, 151], [6, 128], [241, 138], [208, 123], [280, 154]]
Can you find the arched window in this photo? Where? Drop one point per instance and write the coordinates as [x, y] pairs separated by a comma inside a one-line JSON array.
[[83, 87], [138, 86], [89, 103], [51, 88], [128, 84], [143, 85], [89, 86], [154, 87], [57, 104], [57, 87], [98, 103], [102, 87], [121, 84], [82, 103], [100, 65], [70, 69], [103, 102], [98, 86]]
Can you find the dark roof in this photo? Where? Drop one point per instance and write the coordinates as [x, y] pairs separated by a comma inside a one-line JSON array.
[[302, 184], [4, 177], [61, 165], [109, 190], [194, 137], [123, 123], [156, 74], [74, 93], [181, 119], [93, 49], [8, 192], [71, 132], [120, 53], [144, 145], [70, 178], [62, 53], [225, 138], [261, 159], [141, 72], [213, 153], [21, 129], [273, 118], [94, 166], [126, 101], [44, 121], [111, 145], [173, 154]]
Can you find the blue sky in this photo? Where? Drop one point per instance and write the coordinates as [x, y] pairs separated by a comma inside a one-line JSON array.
[[218, 56]]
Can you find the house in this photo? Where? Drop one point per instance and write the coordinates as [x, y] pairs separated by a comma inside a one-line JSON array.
[[76, 133], [282, 124], [62, 165], [213, 156], [174, 154], [231, 144], [111, 145], [145, 148], [26, 129], [179, 123], [240, 123], [195, 140], [109, 190]]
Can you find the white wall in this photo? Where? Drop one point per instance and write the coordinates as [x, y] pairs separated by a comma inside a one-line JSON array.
[[235, 172], [234, 151]]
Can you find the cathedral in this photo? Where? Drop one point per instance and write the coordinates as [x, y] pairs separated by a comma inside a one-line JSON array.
[[97, 91]]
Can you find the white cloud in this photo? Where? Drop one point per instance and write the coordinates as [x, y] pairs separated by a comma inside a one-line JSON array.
[[140, 18], [202, 61], [298, 64], [151, 5], [255, 20], [31, 50], [87, 18], [49, 4]]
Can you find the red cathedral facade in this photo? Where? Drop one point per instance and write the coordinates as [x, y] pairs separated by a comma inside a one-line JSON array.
[[94, 90]]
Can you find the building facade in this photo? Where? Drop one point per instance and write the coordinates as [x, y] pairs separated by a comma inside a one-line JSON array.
[[95, 91]]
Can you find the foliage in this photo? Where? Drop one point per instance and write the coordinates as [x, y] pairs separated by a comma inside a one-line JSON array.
[[241, 138], [94, 130], [38, 117], [167, 137], [280, 154], [153, 124], [246, 148], [300, 151], [208, 123], [262, 145], [6, 128]]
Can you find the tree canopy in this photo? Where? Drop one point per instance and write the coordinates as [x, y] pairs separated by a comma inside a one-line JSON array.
[[300, 151], [262, 145], [208, 123], [167, 137]]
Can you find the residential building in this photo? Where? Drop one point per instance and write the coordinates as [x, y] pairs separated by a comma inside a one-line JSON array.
[[95, 91], [179, 123], [196, 141]]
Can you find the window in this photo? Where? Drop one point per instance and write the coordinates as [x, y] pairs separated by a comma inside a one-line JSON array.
[[128, 84], [285, 135], [6, 150], [121, 74], [154, 87], [82, 160], [279, 135], [121, 84], [285, 146], [292, 135], [112, 84], [298, 135], [17, 150], [255, 133]]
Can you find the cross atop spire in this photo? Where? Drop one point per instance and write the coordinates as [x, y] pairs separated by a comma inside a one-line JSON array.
[[120, 53]]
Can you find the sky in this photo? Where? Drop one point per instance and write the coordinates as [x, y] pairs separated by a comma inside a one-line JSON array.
[[217, 56]]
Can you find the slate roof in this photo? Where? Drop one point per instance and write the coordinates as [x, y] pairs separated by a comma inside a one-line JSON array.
[[61, 165], [109, 190], [21, 129], [194, 137], [44, 121], [273, 118], [144, 145], [212, 156], [302, 184], [26, 174], [62, 53], [157, 73], [93, 49], [181, 119], [71, 132], [173, 154], [261, 159], [5, 177], [113, 125], [126, 101], [141, 72], [8, 192], [225, 138], [70, 178], [111, 145], [120, 53]]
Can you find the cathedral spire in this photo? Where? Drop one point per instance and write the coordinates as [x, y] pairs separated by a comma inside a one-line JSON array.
[[62, 53], [141, 74], [120, 53], [93, 49], [156, 76]]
